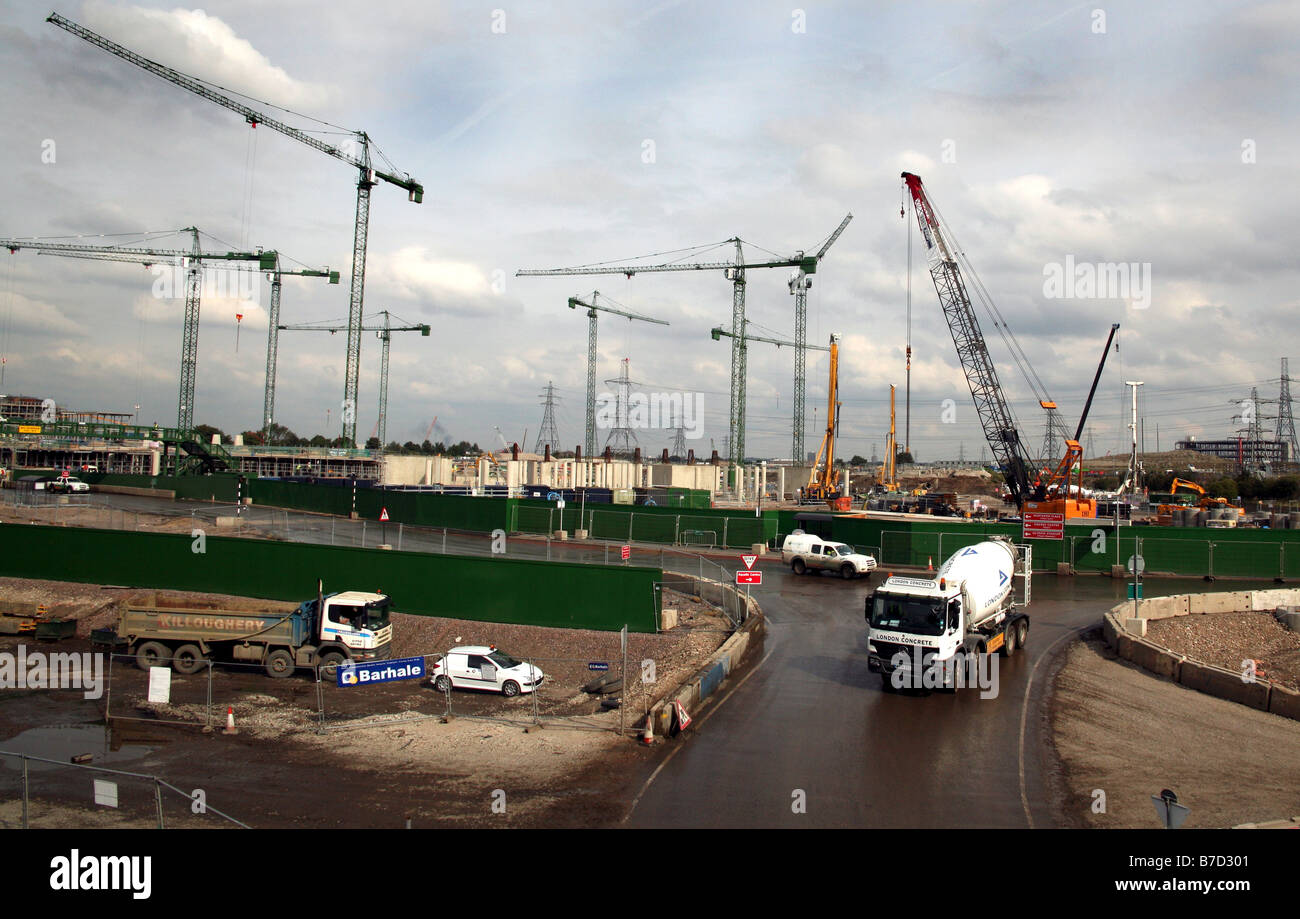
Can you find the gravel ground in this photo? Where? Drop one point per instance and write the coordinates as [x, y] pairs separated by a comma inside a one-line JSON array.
[[1226, 639], [1122, 730]]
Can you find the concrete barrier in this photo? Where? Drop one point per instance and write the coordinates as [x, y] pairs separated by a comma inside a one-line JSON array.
[[1285, 702], [1231, 601], [1155, 658], [1226, 684], [1272, 599], [1164, 607], [719, 665]]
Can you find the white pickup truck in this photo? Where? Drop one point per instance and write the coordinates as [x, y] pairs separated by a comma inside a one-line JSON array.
[[805, 552]]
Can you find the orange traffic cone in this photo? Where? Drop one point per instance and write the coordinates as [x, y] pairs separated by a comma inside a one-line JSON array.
[[230, 721], [648, 735], [929, 564]]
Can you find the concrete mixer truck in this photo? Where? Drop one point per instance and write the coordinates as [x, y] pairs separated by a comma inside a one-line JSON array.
[[934, 634]]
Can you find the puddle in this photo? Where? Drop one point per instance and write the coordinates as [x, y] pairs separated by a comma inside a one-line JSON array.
[[62, 742]]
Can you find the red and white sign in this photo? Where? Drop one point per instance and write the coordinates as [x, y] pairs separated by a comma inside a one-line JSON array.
[[683, 719], [749, 560], [1039, 525], [383, 515], [626, 552], [749, 577]]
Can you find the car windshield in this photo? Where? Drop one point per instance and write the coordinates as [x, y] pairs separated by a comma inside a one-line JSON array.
[[844, 549], [906, 614], [502, 660], [377, 614]]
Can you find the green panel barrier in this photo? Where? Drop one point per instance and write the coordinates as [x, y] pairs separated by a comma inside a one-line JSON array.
[[558, 594], [654, 528]]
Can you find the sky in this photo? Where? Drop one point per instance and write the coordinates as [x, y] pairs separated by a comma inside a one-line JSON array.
[[1050, 135]]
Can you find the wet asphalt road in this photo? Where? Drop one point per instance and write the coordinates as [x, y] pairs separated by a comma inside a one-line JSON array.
[[810, 723], [813, 719]]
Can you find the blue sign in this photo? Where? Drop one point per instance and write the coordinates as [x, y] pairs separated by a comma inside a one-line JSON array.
[[598, 666], [404, 668]]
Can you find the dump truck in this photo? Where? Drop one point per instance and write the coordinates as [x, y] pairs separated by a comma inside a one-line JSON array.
[[969, 607], [325, 631]]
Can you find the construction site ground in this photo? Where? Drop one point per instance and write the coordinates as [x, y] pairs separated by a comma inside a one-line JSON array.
[[1123, 731], [379, 762]]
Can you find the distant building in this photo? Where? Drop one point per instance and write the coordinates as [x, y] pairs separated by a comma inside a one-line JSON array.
[[1241, 450]]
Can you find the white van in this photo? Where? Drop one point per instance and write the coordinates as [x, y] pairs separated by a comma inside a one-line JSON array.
[[805, 552], [484, 667]]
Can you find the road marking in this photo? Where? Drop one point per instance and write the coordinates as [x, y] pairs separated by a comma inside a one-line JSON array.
[[1024, 714], [667, 759]]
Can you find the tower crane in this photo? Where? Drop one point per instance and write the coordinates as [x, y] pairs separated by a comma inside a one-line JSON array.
[[734, 271], [592, 308], [718, 332], [192, 259], [273, 315], [356, 154], [799, 284], [385, 332], [990, 403]]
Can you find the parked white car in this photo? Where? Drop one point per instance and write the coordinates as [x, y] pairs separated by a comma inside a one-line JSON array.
[[805, 552], [70, 484], [484, 667]]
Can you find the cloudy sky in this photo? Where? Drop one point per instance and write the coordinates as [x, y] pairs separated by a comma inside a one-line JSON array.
[[1159, 134]]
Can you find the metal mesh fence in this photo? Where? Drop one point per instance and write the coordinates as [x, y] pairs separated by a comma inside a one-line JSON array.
[[39, 792]]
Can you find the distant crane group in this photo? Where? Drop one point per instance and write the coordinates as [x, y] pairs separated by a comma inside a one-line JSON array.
[[356, 153]]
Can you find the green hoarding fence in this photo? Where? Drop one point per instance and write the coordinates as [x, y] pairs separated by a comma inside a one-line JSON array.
[[489, 589]]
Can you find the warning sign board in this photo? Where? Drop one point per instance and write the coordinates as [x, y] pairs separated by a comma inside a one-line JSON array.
[[1039, 525], [383, 514], [749, 577], [626, 553], [749, 560]]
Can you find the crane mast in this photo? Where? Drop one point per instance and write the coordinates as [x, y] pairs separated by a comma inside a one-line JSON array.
[[367, 176], [990, 403], [592, 308]]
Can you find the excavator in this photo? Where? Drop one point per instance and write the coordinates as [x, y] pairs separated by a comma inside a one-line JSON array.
[[1205, 500], [824, 478]]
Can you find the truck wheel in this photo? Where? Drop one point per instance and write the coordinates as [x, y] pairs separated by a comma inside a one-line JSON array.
[[798, 566], [152, 654], [1022, 632], [847, 572], [1008, 648], [188, 659], [510, 688], [279, 664], [330, 663], [442, 684]]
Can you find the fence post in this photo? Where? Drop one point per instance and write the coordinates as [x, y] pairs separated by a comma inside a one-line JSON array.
[[1210, 543], [25, 793], [399, 537], [208, 718], [1281, 560], [444, 540], [677, 528], [157, 794], [725, 522], [332, 519], [363, 534], [630, 517]]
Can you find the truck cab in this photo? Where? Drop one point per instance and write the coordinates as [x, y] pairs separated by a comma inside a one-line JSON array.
[[357, 620]]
